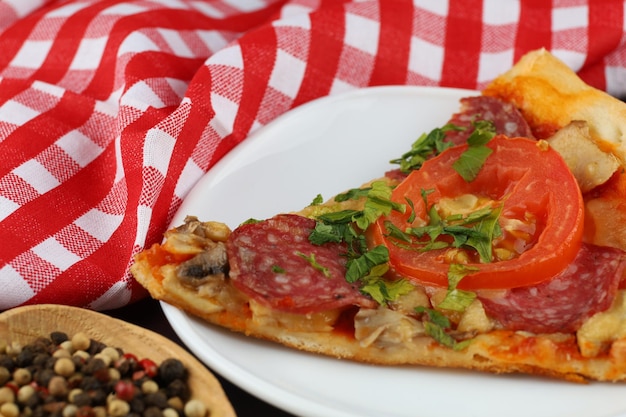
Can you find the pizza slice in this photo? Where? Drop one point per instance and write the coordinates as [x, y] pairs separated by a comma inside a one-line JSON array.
[[485, 249]]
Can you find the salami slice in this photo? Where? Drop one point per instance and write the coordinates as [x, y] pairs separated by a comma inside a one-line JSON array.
[[506, 118], [586, 287], [274, 263]]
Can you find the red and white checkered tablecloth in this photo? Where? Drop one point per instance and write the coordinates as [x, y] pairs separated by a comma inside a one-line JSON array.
[[111, 110]]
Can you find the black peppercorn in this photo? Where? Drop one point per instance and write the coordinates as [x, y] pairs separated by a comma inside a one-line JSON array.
[[58, 337], [171, 369]]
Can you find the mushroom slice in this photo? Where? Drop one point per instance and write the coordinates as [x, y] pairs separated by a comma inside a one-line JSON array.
[[590, 165], [209, 264]]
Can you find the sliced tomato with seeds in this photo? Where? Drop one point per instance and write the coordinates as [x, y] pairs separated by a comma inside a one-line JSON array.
[[541, 218]]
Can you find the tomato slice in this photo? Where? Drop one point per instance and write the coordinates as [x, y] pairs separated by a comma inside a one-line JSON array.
[[541, 219]]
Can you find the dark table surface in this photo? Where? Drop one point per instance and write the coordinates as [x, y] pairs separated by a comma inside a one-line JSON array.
[[147, 313]]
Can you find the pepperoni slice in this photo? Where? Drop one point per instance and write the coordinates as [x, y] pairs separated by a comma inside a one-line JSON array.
[[506, 118], [587, 286], [274, 263]]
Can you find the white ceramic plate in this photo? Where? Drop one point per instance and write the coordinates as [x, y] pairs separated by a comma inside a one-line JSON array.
[[328, 146]]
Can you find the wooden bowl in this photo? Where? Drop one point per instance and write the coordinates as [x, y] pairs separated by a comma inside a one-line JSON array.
[[24, 324]]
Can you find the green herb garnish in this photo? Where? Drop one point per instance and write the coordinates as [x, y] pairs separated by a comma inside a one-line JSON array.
[[472, 160], [313, 262], [436, 325], [455, 299], [363, 265], [425, 147], [317, 200], [383, 290], [378, 203], [475, 230]]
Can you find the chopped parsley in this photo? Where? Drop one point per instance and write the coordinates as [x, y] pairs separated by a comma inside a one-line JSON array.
[[378, 203], [431, 144], [362, 265], [436, 324], [455, 299], [425, 147], [311, 259], [475, 230], [471, 161], [278, 269], [251, 221], [317, 200], [353, 194], [367, 266], [381, 289]]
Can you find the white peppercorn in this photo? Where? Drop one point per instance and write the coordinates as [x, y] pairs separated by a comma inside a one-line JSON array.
[[111, 352], [170, 412], [73, 393], [114, 374], [22, 376], [70, 410], [80, 341], [176, 403], [13, 348], [57, 386], [67, 345], [195, 408], [81, 354], [6, 395], [25, 393], [5, 375], [62, 353], [64, 367], [9, 410], [104, 358], [118, 408], [149, 387], [99, 411]]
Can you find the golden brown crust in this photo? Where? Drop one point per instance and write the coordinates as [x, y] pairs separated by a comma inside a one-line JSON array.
[[550, 96]]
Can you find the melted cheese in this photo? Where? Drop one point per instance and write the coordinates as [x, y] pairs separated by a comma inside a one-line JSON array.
[[315, 322], [599, 331], [475, 319]]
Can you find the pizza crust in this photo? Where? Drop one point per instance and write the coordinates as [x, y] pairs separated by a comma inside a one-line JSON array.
[[550, 96]]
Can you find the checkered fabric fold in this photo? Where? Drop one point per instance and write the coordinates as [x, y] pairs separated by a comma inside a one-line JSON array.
[[110, 111]]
